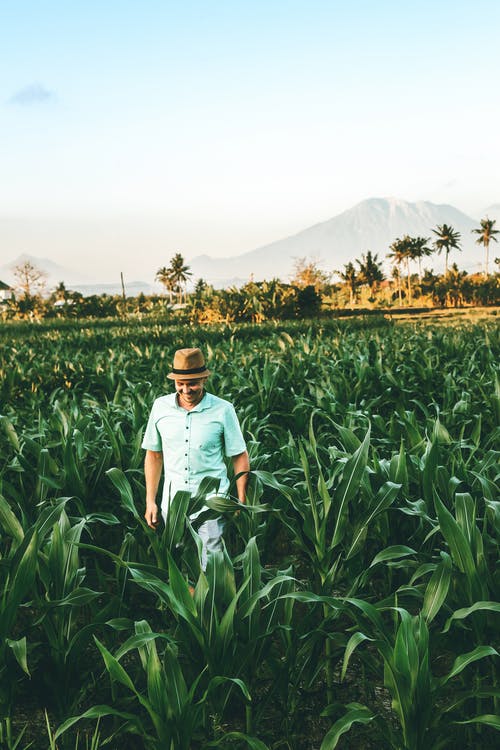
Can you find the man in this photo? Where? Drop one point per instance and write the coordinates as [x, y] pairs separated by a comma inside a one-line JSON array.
[[188, 433]]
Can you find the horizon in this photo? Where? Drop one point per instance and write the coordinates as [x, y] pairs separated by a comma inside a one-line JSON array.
[[215, 130], [471, 263]]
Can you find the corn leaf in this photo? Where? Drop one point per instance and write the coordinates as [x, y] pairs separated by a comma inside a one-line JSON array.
[[463, 661], [461, 614], [349, 485], [122, 484], [437, 588], [490, 720], [9, 521], [356, 714], [18, 648]]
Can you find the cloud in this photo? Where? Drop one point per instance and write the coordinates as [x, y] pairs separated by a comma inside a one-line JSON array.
[[32, 95]]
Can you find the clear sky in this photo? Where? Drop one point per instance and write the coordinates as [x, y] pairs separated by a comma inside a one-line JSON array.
[[214, 127]]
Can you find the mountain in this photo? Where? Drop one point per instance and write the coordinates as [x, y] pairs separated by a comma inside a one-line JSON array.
[[372, 225], [492, 212]]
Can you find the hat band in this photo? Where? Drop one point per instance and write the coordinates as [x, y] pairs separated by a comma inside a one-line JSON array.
[[192, 371]]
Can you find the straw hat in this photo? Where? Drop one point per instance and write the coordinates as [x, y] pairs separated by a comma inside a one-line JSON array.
[[189, 364]]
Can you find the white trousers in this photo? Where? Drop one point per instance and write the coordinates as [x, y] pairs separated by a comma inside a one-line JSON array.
[[210, 534]]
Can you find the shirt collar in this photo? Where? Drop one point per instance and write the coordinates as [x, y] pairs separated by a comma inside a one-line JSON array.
[[202, 406]]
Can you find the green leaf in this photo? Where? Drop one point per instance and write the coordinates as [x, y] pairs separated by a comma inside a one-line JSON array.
[[9, 521], [349, 485], [114, 667], [11, 433], [176, 519], [175, 686], [461, 614], [465, 659], [352, 645], [383, 500], [358, 714], [459, 547], [79, 597], [392, 553], [122, 484], [96, 712], [19, 651], [437, 588], [491, 720], [25, 574]]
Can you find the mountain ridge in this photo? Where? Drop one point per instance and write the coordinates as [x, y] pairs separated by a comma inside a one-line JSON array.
[[372, 224]]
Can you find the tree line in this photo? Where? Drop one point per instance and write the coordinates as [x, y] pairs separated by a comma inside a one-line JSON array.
[[310, 291]]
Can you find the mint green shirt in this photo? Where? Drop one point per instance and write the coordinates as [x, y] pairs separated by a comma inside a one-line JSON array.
[[194, 442]]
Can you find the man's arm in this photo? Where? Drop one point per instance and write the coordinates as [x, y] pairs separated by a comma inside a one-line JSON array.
[[153, 464], [241, 463]]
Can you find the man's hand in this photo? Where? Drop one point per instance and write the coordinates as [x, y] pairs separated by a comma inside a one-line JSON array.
[[241, 466], [151, 515], [153, 464]]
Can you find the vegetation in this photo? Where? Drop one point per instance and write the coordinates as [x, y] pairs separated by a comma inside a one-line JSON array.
[[357, 602], [310, 292], [486, 233]]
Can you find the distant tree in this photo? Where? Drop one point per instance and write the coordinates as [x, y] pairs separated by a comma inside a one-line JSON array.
[[306, 272], [418, 250], [61, 293], [486, 234], [179, 273], [370, 271], [401, 250], [447, 239], [350, 277], [30, 280], [200, 288], [308, 302], [396, 274], [164, 276]]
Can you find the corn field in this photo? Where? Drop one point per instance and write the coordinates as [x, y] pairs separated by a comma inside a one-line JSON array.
[[356, 603]]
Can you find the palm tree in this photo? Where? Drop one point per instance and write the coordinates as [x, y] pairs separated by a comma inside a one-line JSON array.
[[401, 253], [370, 271], [419, 250], [447, 239], [179, 274], [486, 234], [163, 275], [350, 277]]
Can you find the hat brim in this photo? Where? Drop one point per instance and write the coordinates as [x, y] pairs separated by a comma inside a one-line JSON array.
[[188, 376]]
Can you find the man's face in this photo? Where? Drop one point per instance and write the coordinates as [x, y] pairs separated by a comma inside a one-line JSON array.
[[190, 392]]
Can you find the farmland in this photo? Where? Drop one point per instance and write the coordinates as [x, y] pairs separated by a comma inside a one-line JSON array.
[[357, 604]]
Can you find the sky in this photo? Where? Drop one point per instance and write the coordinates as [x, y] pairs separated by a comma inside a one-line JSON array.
[[134, 130]]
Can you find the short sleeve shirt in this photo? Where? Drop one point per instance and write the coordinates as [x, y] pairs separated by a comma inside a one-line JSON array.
[[193, 442]]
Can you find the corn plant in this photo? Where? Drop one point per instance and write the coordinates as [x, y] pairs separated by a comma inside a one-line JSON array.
[[321, 522], [426, 706], [171, 714], [68, 611]]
